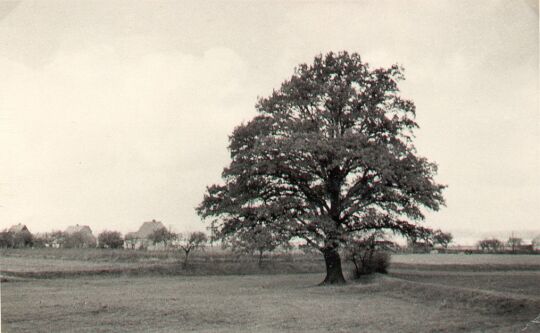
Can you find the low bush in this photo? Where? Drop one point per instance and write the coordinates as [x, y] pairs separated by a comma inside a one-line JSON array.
[[367, 256], [377, 262]]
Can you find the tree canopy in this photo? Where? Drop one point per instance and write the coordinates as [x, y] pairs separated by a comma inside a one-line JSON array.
[[190, 242], [329, 154], [258, 239], [162, 235], [110, 239]]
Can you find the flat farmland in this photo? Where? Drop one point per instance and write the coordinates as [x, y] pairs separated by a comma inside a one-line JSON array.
[[510, 260], [409, 299]]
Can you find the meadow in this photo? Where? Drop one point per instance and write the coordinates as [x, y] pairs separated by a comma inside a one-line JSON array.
[[114, 292]]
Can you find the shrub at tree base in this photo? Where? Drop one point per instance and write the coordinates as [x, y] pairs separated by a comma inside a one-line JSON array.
[[368, 253], [377, 262]]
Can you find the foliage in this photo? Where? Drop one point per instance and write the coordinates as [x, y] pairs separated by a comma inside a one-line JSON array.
[[78, 239], [131, 240], [190, 242], [6, 239], [368, 253], [421, 239], [57, 238], [330, 153], [258, 239], [40, 241], [10, 239], [442, 238], [514, 243], [23, 239], [110, 239], [424, 239], [162, 235], [490, 245], [536, 242]]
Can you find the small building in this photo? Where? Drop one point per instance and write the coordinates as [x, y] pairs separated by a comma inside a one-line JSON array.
[[21, 236], [18, 228], [141, 238], [79, 236]]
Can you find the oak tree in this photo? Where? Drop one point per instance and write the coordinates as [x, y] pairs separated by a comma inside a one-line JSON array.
[[329, 154]]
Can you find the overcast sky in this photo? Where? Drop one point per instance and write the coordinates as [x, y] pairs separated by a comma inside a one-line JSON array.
[[113, 113]]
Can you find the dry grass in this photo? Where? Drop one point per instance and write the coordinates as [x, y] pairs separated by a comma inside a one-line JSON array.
[[96, 255], [291, 303], [52, 263], [515, 282], [513, 260], [139, 294]]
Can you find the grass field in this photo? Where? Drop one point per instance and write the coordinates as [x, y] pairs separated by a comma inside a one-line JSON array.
[[410, 299], [512, 260]]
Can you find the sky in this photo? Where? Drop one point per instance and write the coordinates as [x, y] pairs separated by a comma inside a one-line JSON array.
[[113, 113]]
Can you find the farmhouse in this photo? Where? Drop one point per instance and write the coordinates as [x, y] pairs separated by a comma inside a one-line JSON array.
[[81, 235], [18, 228], [140, 239], [21, 235]]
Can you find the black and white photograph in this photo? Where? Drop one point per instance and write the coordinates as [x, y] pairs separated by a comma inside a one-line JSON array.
[[269, 166]]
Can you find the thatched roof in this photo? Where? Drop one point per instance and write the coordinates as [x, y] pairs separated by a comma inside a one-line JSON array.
[[78, 228], [18, 228], [146, 229]]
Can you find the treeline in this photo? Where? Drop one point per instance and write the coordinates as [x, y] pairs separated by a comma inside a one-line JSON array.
[[16, 239], [258, 241], [24, 238], [514, 245]]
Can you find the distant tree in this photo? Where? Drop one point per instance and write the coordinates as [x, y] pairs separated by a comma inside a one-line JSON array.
[[496, 245], [162, 235], [330, 153], [78, 239], [442, 238], [190, 242], [258, 239], [483, 245], [23, 238], [110, 239], [58, 238], [421, 239], [6, 239], [42, 240], [130, 240], [19, 239], [427, 236], [514, 243], [74, 240], [490, 245], [536, 242]]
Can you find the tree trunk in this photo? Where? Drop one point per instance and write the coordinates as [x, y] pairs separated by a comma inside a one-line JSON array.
[[260, 258], [334, 274], [186, 259]]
